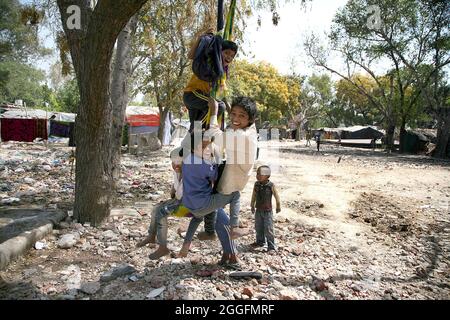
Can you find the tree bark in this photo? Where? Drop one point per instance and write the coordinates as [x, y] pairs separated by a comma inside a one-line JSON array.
[[443, 133], [162, 122], [402, 135], [91, 50], [390, 136], [119, 92]]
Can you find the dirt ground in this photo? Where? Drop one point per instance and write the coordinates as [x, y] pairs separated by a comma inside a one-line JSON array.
[[355, 224]]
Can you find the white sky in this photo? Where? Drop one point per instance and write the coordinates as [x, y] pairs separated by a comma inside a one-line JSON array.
[[282, 44], [279, 45]]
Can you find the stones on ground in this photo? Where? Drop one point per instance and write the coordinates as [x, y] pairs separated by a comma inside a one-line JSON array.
[[248, 292], [72, 277], [28, 180], [120, 271], [39, 245], [155, 281], [90, 287], [328, 258], [156, 292], [288, 294], [133, 278], [246, 275], [68, 240], [109, 235], [9, 200], [319, 285], [29, 272]]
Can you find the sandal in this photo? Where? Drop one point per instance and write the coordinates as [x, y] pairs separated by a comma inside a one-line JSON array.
[[232, 266]]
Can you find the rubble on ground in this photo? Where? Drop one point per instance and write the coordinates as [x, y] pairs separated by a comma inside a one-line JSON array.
[[399, 257]]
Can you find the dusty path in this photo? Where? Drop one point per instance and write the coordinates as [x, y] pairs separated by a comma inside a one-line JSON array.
[[371, 226]]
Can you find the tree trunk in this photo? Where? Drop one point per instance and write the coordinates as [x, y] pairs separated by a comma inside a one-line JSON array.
[[119, 92], [402, 135], [443, 132], [390, 136], [162, 122], [91, 49]]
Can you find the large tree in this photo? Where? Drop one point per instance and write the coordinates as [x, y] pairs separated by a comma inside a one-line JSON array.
[[277, 95], [120, 90], [91, 49], [397, 40]]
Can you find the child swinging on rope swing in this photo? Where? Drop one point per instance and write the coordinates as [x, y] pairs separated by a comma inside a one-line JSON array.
[[198, 91], [211, 57]]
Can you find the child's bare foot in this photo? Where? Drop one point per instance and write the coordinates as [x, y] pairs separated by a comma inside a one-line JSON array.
[[224, 259], [184, 250], [160, 252], [239, 232], [180, 232], [148, 239], [206, 236]]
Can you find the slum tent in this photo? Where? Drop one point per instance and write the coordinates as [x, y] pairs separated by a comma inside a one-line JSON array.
[[62, 124], [330, 133], [24, 125], [415, 142], [361, 132], [181, 130], [142, 119]]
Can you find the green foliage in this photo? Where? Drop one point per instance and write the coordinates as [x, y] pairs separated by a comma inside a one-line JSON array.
[[22, 82], [276, 95], [19, 32], [356, 108], [49, 96], [68, 96]]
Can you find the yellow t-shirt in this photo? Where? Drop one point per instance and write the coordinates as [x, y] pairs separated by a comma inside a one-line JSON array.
[[195, 84]]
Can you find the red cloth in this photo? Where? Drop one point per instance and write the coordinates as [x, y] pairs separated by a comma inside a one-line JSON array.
[[25, 130], [138, 120]]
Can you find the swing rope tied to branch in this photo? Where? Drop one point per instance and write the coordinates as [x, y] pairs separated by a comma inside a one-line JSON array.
[[219, 85]]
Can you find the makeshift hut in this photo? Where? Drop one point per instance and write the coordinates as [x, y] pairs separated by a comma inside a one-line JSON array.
[[415, 142], [61, 124], [180, 131], [24, 125], [361, 132]]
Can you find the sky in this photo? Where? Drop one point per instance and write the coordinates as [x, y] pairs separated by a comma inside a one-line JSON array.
[[279, 45]]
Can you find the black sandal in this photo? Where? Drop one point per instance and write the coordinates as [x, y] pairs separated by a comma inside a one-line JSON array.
[[233, 266]]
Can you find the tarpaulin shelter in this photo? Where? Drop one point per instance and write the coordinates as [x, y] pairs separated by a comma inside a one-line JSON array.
[[361, 132], [181, 130], [24, 125], [61, 124], [142, 119], [28, 124], [415, 142]]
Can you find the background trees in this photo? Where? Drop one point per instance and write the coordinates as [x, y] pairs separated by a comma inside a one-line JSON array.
[[407, 36], [19, 48]]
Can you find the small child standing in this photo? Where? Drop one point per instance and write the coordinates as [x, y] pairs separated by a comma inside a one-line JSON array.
[[262, 200], [176, 194]]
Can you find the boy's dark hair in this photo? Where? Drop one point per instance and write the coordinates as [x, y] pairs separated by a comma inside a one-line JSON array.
[[248, 104], [227, 44]]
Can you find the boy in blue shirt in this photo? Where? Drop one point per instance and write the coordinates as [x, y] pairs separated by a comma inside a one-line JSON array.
[[199, 173]]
